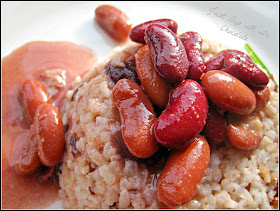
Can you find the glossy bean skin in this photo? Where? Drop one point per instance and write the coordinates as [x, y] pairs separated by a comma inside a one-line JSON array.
[[137, 117], [28, 159], [32, 94], [113, 21], [239, 65], [193, 44], [215, 62], [184, 117], [215, 130], [49, 133], [262, 97], [167, 52], [183, 172], [155, 86], [242, 138], [137, 33], [228, 93]]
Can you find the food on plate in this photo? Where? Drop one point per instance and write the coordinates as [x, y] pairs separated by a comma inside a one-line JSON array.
[[242, 138], [114, 22], [45, 142], [192, 42], [137, 118], [228, 93], [32, 123], [32, 94], [182, 173], [239, 65], [215, 129], [137, 33], [106, 173], [155, 86], [184, 116], [49, 134], [28, 159], [169, 121], [167, 52]]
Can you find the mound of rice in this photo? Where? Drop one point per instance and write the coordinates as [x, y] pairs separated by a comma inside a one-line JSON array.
[[97, 171]]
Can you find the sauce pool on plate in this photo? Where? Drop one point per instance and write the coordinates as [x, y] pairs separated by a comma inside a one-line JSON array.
[[56, 65]]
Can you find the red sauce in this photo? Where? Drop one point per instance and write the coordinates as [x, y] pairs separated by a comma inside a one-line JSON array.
[[30, 61]]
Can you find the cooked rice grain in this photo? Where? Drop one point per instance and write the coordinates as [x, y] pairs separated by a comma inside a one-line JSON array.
[[99, 175]]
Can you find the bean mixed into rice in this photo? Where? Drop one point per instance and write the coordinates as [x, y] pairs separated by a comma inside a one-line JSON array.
[[99, 172]]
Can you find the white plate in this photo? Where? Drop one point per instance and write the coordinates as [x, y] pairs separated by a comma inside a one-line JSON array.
[[258, 22]]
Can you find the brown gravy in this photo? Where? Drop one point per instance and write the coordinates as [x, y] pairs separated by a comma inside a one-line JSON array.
[[29, 61]]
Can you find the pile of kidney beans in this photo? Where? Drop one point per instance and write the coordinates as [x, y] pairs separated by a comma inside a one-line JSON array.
[[193, 96], [43, 148]]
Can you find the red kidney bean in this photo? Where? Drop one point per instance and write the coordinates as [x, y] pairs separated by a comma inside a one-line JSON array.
[[184, 116], [137, 33], [183, 173], [239, 65], [215, 130], [167, 52], [137, 117], [242, 67], [242, 138], [193, 44], [228, 93], [113, 21], [28, 159], [216, 62], [155, 86], [49, 134], [262, 97], [32, 94]]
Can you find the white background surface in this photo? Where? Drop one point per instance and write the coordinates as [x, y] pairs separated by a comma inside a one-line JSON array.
[[22, 22]]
